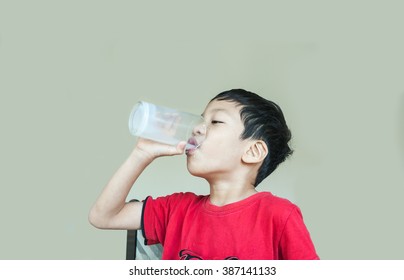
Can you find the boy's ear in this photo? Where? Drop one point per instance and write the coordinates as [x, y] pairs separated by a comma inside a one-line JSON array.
[[256, 152]]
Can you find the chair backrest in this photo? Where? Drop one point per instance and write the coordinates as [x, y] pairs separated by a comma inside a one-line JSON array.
[[137, 250]]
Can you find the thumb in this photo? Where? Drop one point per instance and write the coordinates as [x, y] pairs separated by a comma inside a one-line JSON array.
[[169, 150], [180, 148]]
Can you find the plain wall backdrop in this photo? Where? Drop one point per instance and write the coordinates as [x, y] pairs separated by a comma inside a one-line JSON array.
[[70, 72]]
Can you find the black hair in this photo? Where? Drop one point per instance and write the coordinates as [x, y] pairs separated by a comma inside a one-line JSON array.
[[263, 120]]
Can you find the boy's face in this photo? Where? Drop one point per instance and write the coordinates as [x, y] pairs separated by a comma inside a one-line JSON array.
[[220, 154]]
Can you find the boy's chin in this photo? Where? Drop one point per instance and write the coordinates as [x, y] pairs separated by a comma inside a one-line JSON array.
[[196, 172]]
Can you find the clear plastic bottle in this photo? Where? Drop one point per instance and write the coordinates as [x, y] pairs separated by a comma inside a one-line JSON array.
[[166, 125]]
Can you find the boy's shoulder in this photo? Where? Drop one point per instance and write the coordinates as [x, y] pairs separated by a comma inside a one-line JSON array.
[[275, 204], [274, 199], [184, 199], [185, 196]]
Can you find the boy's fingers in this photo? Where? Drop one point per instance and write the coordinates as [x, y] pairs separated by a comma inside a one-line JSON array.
[[181, 147], [158, 149]]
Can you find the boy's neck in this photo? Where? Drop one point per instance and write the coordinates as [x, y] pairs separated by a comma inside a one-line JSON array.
[[223, 194]]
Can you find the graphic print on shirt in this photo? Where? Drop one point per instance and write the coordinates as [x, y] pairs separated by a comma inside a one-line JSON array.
[[189, 255]]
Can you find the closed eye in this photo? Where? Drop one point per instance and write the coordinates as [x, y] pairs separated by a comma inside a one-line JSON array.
[[216, 122]]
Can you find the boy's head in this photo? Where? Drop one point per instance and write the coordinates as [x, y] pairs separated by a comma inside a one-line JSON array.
[[263, 120]]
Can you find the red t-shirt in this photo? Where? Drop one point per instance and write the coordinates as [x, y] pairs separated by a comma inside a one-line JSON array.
[[261, 227]]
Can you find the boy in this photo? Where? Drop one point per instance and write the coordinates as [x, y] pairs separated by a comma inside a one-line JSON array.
[[246, 138]]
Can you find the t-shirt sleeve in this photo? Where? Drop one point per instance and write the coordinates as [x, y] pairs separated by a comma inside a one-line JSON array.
[[153, 220], [295, 242], [157, 213]]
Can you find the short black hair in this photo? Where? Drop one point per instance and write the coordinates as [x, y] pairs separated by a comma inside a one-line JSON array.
[[263, 120]]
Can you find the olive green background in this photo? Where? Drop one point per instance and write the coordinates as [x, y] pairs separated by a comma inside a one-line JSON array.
[[70, 72]]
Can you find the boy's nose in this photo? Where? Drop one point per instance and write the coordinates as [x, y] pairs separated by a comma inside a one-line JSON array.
[[200, 129]]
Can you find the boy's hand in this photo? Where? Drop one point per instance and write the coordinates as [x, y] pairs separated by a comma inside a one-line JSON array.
[[151, 149], [110, 210]]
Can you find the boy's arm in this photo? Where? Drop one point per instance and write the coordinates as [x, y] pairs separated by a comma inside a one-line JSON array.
[[111, 211]]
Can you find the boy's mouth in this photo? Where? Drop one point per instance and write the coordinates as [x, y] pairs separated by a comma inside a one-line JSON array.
[[192, 145]]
